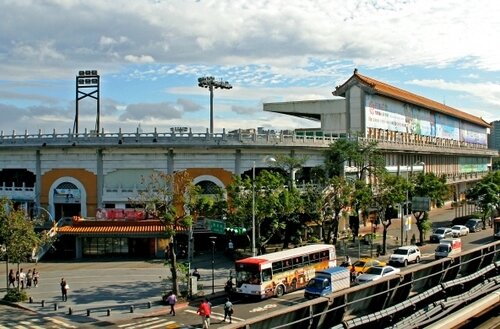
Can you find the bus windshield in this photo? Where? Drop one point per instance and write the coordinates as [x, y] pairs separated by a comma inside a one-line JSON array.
[[246, 273]]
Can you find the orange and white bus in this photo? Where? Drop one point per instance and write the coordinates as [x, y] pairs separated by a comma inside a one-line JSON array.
[[280, 272]]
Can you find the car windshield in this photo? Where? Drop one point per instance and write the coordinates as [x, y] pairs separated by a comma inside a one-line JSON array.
[[375, 270], [457, 228], [401, 252], [439, 231], [359, 263]]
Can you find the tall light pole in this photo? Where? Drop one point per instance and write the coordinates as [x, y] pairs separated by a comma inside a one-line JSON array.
[[420, 163], [211, 83], [87, 85], [212, 238], [253, 210], [266, 159]]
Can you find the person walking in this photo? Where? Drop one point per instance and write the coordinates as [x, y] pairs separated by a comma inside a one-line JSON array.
[[228, 310], [204, 312], [171, 300], [36, 277], [22, 278], [64, 290], [29, 279], [12, 278]]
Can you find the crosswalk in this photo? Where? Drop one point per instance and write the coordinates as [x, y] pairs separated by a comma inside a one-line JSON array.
[[154, 322], [168, 323], [38, 323]]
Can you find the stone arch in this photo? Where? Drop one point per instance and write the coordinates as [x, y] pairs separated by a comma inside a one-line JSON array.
[[62, 181]]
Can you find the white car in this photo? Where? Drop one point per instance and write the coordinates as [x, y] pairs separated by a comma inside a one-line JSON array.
[[376, 273], [404, 255], [459, 230]]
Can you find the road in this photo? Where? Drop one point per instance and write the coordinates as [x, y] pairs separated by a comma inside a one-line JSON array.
[[115, 285]]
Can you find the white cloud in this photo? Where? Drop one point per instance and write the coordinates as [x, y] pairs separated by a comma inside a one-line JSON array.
[[141, 59]]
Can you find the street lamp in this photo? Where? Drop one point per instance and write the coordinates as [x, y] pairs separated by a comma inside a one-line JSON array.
[[268, 160], [420, 163], [211, 83], [3, 249], [212, 238]]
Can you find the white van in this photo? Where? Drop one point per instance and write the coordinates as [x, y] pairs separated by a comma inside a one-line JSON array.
[[448, 247]]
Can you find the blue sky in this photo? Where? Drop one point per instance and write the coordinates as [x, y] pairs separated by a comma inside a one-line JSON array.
[[150, 54]]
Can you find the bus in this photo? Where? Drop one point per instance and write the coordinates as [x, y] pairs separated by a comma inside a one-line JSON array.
[[280, 272], [496, 228]]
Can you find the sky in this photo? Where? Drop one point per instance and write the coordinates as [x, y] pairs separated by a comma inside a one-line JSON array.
[[150, 53]]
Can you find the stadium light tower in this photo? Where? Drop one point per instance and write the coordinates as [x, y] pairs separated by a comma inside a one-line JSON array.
[[87, 85], [211, 83]]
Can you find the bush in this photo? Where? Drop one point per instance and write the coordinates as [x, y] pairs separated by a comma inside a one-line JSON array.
[[14, 296]]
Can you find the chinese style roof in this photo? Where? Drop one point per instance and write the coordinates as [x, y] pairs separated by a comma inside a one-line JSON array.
[[116, 228], [387, 90]]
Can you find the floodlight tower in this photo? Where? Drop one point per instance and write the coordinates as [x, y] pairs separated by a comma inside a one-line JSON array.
[[87, 85], [211, 83]]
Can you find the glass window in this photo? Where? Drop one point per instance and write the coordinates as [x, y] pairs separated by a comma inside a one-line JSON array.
[[266, 274]]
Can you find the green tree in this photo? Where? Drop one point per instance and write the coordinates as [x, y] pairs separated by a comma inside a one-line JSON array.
[[363, 155], [361, 200], [164, 198], [431, 186], [291, 201], [390, 191], [17, 234], [336, 199], [486, 195], [271, 205]]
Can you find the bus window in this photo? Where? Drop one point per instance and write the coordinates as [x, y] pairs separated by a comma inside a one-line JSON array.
[[314, 257], [266, 275], [297, 262], [324, 255], [306, 259], [287, 264], [277, 267]]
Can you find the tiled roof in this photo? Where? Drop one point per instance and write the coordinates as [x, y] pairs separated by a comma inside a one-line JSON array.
[[387, 90], [145, 227]]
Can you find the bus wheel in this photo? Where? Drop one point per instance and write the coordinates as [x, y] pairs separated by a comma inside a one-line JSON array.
[[279, 291], [294, 285]]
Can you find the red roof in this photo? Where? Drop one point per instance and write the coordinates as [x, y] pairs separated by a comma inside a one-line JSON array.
[[387, 90], [144, 227]]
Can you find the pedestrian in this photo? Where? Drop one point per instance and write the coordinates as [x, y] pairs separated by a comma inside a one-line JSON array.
[[22, 278], [29, 279], [64, 290], [196, 274], [353, 273], [348, 260], [171, 300], [36, 277], [204, 312], [12, 278], [230, 249], [228, 310]]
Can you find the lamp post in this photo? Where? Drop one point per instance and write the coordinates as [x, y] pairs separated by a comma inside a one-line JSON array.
[[87, 85], [268, 160], [212, 238], [253, 210], [420, 163], [3, 249], [211, 83]]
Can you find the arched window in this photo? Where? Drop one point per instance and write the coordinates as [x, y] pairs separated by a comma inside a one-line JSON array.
[[208, 187]]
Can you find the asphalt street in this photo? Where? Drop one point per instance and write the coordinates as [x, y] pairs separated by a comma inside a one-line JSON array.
[[113, 292]]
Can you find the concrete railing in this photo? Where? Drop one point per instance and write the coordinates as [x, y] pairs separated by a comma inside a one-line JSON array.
[[460, 279]]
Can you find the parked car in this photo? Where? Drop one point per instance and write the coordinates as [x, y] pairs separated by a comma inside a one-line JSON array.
[[376, 273], [441, 233], [459, 230], [363, 264], [404, 255], [474, 224]]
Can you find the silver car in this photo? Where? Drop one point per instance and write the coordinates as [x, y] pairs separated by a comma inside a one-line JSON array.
[[376, 273], [459, 230]]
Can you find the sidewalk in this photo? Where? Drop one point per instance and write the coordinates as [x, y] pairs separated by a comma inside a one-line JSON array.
[[438, 216], [115, 290]]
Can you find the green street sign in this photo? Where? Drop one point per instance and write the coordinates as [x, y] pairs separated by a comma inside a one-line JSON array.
[[420, 204], [217, 226]]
